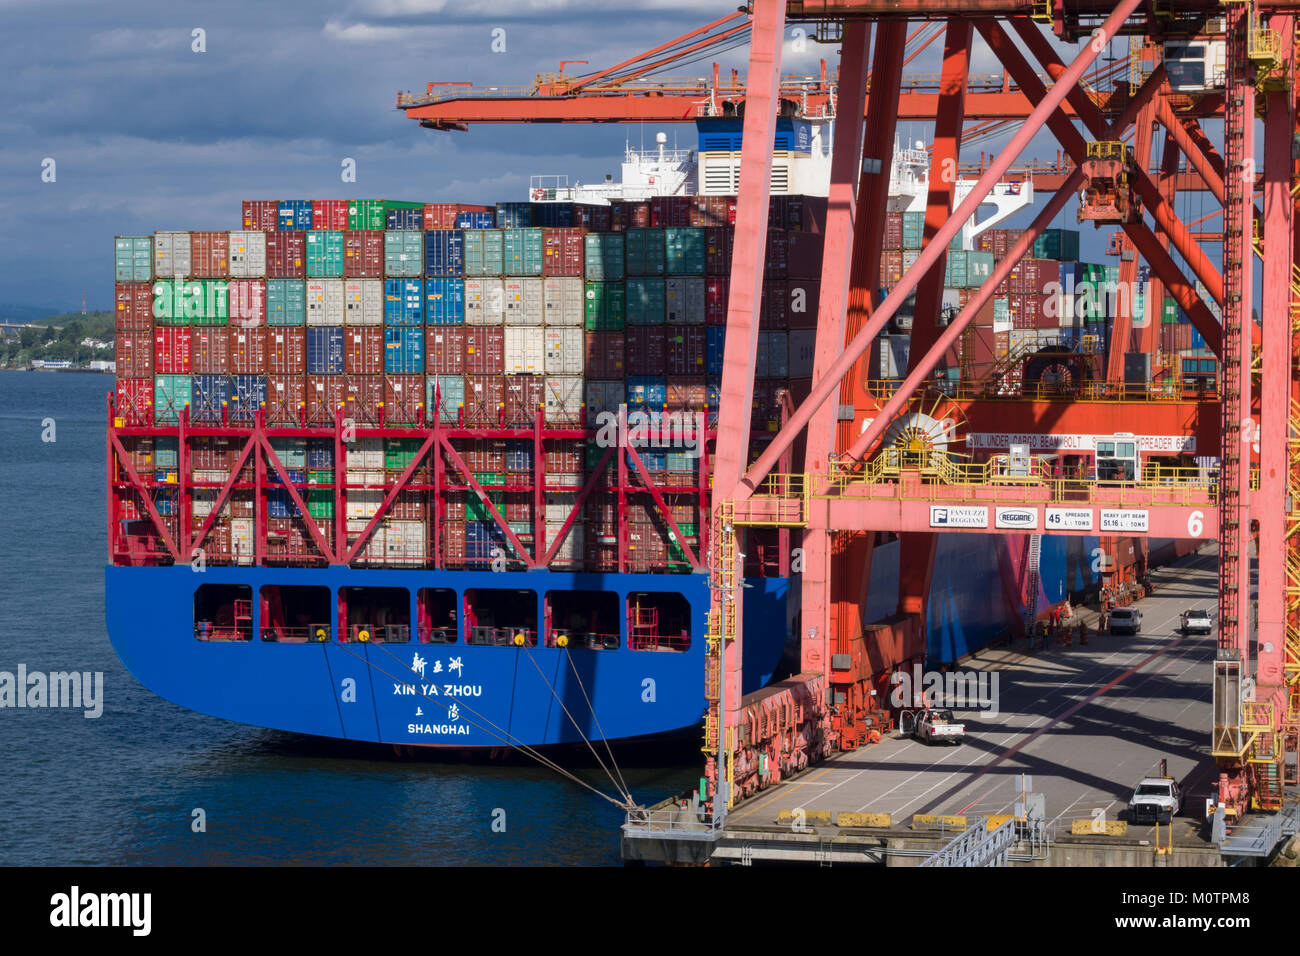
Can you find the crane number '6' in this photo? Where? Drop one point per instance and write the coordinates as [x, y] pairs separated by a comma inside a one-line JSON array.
[[1195, 524]]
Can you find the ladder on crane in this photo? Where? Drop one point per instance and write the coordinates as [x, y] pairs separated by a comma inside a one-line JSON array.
[[1032, 557]]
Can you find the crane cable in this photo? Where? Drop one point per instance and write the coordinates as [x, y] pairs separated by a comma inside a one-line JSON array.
[[500, 734]]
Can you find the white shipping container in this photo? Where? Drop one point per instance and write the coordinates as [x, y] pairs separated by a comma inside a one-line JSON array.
[[363, 504], [525, 351], [219, 475], [484, 302], [524, 302], [363, 302], [558, 507], [171, 255], [563, 300], [324, 301], [373, 552], [241, 540], [404, 542], [889, 357], [564, 351], [570, 550], [684, 300], [563, 399], [604, 397], [247, 255], [803, 351], [364, 453]]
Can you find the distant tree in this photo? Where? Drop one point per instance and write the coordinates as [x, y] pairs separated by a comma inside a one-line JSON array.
[[29, 338]]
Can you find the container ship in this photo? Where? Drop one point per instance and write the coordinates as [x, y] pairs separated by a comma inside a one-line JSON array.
[[438, 474]]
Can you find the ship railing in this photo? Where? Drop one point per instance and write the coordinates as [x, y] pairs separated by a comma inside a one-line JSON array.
[[676, 643], [312, 633], [436, 635], [669, 822], [583, 640], [379, 633], [490, 635], [211, 631]]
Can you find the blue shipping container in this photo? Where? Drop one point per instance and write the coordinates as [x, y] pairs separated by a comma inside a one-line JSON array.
[[444, 252], [444, 301], [324, 350], [714, 343], [514, 215], [295, 214], [519, 455], [209, 393], [409, 219], [482, 538], [297, 476], [248, 392], [320, 453], [404, 351], [553, 215], [476, 220], [647, 392], [279, 504], [404, 302]]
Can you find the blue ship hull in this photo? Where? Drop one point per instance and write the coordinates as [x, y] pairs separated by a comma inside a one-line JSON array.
[[510, 695]]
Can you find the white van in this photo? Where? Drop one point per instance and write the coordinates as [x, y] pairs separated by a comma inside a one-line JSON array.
[[1126, 619]]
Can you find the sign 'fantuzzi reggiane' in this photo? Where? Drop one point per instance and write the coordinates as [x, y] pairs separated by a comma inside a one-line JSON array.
[[1077, 443]]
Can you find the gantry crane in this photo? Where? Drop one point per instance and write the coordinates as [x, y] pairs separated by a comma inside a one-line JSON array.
[[846, 490]]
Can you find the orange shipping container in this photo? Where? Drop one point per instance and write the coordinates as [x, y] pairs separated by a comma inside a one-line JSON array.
[[247, 351], [286, 351], [209, 255]]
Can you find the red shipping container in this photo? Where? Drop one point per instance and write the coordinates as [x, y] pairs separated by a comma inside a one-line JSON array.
[[439, 215], [213, 453], [171, 351], [802, 299], [134, 401], [134, 312], [891, 267], [518, 507], [893, 230], [453, 541], [604, 355], [626, 214], [404, 399], [484, 396], [262, 214], [247, 351], [564, 457], [771, 306], [685, 350], [645, 350], [329, 214], [562, 252], [134, 354], [410, 506], [524, 395], [325, 394], [209, 255], [286, 351], [776, 265], [592, 218], [286, 254], [485, 351], [814, 214], [210, 351], [362, 396], [718, 243], [247, 302], [286, 396], [687, 393], [708, 211], [715, 300], [805, 254], [363, 254], [363, 350], [444, 349], [483, 454], [670, 211]]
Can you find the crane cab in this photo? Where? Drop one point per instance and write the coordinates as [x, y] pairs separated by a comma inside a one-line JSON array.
[[1196, 65], [1118, 459]]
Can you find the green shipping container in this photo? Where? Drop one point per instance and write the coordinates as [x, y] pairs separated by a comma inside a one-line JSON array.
[[979, 266], [484, 252], [447, 391], [684, 252], [171, 393], [606, 306], [403, 253], [645, 252], [172, 299], [292, 452], [1169, 313], [366, 214], [320, 476], [320, 504], [954, 276], [166, 453], [523, 252], [133, 258], [286, 302], [1061, 244], [213, 308], [400, 452], [1002, 313], [390, 204], [324, 254], [475, 510], [603, 256], [645, 301], [913, 229]]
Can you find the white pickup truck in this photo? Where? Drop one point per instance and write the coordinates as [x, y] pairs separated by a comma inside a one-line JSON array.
[[1197, 622], [1157, 799], [938, 726]]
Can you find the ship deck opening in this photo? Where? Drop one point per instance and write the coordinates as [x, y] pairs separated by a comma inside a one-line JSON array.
[[658, 621], [438, 622], [586, 619], [501, 616], [295, 615], [375, 614], [223, 612]]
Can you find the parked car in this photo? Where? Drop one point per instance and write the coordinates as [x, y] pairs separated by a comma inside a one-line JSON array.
[[938, 726], [1126, 619], [1157, 799]]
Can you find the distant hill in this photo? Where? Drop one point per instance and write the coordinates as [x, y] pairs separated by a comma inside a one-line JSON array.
[[94, 318], [28, 314]]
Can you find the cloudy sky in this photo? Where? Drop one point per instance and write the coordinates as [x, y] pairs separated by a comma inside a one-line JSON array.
[[147, 134]]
